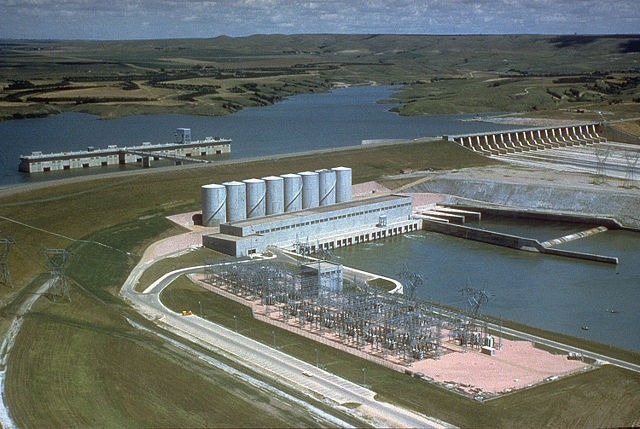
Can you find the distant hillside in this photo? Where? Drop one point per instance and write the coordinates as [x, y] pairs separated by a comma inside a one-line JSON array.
[[223, 74]]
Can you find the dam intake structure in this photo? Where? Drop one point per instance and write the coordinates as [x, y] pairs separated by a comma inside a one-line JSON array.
[[529, 139], [183, 150]]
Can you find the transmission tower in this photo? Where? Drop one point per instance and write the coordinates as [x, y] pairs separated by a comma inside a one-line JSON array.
[[411, 279], [476, 298], [5, 274], [56, 259], [602, 153], [632, 161]]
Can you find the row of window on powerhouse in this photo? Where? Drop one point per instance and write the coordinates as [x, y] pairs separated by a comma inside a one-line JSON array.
[[298, 225]]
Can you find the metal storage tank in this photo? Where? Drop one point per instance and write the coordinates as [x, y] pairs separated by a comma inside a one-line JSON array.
[[256, 190], [236, 201], [274, 199], [327, 187], [343, 184], [292, 192], [310, 189], [214, 207]]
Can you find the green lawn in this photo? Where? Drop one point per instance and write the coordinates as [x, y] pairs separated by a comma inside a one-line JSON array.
[[85, 366], [82, 365]]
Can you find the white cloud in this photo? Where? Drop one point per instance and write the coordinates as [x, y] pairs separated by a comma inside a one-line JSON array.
[[104, 19]]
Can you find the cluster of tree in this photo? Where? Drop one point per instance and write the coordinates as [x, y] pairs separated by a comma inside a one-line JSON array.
[[87, 100], [616, 88], [16, 97], [19, 84], [129, 85]]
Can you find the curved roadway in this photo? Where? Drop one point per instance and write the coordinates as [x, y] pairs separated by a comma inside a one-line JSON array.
[[265, 359]]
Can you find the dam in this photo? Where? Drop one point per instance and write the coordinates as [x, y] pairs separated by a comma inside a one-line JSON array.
[[181, 151], [529, 139]]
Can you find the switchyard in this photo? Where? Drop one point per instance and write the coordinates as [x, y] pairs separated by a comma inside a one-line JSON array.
[[389, 326]]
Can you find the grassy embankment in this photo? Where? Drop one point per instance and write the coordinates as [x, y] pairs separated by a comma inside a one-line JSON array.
[[85, 366], [222, 75], [71, 358]]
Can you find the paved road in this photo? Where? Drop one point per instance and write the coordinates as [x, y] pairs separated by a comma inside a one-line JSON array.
[[265, 359]]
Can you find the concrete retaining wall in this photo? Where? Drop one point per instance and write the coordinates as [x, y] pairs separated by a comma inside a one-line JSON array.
[[532, 214], [622, 206], [499, 239], [508, 240]]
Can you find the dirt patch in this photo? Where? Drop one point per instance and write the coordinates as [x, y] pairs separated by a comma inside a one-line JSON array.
[[367, 188], [516, 365]]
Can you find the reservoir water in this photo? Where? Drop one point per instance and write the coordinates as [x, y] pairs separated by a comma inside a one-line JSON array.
[[342, 117], [554, 293]]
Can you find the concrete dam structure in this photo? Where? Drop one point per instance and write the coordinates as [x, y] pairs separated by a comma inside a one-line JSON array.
[[181, 151], [529, 139]]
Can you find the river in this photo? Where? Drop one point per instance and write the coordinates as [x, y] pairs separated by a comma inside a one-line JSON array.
[[339, 118]]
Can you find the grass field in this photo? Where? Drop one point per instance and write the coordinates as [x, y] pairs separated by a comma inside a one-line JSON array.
[[222, 75], [85, 366], [582, 399]]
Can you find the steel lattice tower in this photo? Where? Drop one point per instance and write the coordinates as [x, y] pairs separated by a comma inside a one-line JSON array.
[[56, 259], [5, 274]]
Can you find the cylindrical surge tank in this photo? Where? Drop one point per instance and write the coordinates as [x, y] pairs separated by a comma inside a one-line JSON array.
[[310, 189], [274, 200], [292, 192], [256, 190], [236, 201], [343, 184], [214, 205], [327, 187]]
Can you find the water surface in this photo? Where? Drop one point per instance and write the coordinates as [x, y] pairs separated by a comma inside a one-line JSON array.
[[550, 292], [342, 117]]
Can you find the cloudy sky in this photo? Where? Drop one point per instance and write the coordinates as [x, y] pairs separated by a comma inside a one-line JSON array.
[[144, 19]]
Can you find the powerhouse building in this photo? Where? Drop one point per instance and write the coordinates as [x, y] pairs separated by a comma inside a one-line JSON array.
[[337, 225], [312, 207]]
